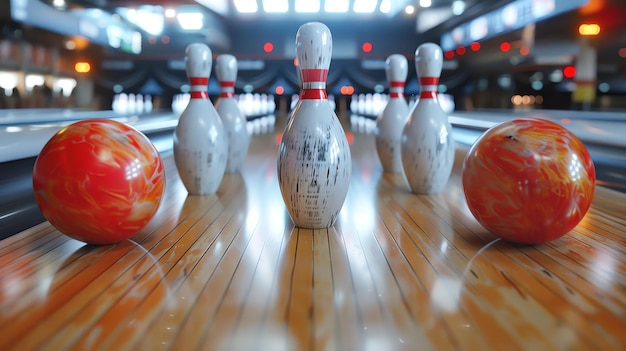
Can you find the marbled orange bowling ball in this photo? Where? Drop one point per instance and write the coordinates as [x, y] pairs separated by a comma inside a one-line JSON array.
[[528, 180], [99, 181]]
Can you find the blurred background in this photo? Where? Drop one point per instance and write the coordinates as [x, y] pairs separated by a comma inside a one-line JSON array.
[[129, 55]]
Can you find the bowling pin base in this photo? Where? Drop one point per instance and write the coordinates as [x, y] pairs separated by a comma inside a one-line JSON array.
[[314, 165], [389, 154], [427, 150], [427, 169], [199, 177]]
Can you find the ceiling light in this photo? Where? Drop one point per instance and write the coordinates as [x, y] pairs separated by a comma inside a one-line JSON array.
[[458, 7], [336, 5], [190, 20], [246, 6], [221, 7], [409, 10], [60, 4], [425, 3], [307, 5], [170, 13], [385, 6], [275, 5], [365, 6], [148, 18]]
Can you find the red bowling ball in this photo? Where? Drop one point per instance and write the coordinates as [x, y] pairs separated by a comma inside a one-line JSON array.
[[99, 181], [528, 180]]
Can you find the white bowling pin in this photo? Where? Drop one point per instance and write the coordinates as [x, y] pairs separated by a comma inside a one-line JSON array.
[[314, 163], [234, 121], [122, 106], [148, 104], [391, 121], [115, 105], [139, 104], [361, 104], [132, 104], [427, 143], [200, 142]]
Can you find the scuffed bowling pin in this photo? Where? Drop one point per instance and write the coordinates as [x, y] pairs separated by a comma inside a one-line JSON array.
[[200, 142], [392, 120], [427, 144], [228, 109], [314, 163]]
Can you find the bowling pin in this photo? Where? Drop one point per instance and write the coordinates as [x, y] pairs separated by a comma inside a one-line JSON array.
[[122, 104], [139, 104], [427, 144], [200, 141], [391, 121], [148, 104], [228, 109], [132, 103], [314, 163], [115, 105]]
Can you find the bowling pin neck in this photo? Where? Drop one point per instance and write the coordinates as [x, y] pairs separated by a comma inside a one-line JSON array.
[[314, 47], [199, 87], [428, 64], [396, 90], [227, 89], [428, 87], [198, 61], [313, 84]]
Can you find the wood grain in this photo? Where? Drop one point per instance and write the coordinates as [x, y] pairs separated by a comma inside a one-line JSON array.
[[398, 271]]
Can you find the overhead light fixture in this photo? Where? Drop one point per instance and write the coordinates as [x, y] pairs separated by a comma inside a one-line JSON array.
[[336, 5], [82, 67], [149, 18], [190, 20], [385, 6], [425, 3], [246, 6], [589, 29], [170, 13], [276, 6], [221, 7], [365, 6], [458, 7], [59, 4], [307, 5], [409, 10]]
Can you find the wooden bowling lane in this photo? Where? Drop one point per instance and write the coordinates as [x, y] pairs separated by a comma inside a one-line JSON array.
[[398, 271]]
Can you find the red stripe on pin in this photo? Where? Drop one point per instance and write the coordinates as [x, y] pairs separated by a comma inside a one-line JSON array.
[[429, 80], [199, 80], [313, 94], [396, 84], [228, 94], [314, 75], [227, 84], [396, 95], [428, 94], [199, 95]]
